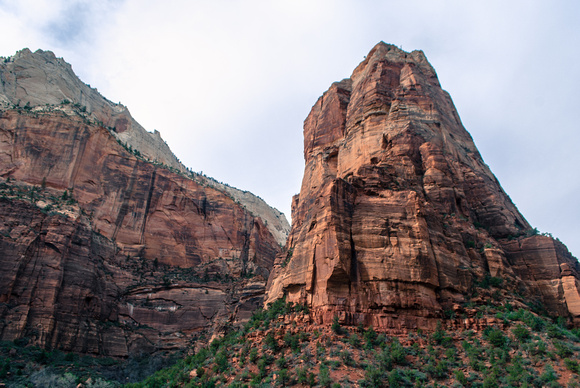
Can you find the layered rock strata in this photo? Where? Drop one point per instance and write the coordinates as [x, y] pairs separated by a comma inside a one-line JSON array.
[[41, 82], [398, 217], [107, 249]]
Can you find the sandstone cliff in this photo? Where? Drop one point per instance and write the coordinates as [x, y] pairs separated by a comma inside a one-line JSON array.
[[398, 218], [106, 253], [108, 248], [42, 82]]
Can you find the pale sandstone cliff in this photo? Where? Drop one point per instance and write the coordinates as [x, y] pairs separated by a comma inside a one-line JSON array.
[[398, 216]]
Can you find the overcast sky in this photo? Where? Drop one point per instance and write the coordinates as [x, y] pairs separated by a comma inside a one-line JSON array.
[[229, 83]]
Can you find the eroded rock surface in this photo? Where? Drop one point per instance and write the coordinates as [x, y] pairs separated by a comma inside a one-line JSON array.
[[398, 216], [108, 245], [40, 82], [139, 259]]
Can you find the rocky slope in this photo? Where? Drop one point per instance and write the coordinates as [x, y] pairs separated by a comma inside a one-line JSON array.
[[398, 218], [108, 248], [40, 80]]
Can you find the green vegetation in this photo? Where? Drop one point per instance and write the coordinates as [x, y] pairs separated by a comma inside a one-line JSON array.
[[52, 202], [30, 366], [532, 351], [274, 349]]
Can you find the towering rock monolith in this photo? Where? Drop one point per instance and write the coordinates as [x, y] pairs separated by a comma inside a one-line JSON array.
[[398, 218]]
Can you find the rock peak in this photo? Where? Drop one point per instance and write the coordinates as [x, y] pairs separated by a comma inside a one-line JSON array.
[[388, 53], [398, 216]]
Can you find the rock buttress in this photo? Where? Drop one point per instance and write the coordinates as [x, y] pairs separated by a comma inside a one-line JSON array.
[[398, 216]]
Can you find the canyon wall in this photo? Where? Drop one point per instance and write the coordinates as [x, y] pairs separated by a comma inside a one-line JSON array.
[[109, 246]]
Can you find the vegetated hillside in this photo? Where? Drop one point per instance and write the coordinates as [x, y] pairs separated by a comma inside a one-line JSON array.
[[516, 348], [508, 346]]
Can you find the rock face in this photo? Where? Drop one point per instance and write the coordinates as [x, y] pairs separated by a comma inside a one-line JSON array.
[[41, 81], [398, 217], [106, 249]]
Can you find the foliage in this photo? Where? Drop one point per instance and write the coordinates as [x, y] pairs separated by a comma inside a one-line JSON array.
[[440, 336], [271, 353], [324, 376], [521, 333], [336, 326], [495, 337]]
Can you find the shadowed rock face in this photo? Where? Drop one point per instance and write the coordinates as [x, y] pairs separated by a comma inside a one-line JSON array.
[[398, 214], [142, 258]]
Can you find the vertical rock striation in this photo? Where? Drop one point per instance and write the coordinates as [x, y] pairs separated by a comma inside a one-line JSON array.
[[103, 252], [40, 81], [398, 216], [108, 245]]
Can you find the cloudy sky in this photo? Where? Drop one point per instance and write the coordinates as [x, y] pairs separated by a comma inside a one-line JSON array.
[[229, 83]]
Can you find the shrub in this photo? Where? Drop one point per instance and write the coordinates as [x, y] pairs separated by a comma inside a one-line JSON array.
[[521, 333], [440, 336], [253, 355], [437, 368], [395, 378], [302, 376], [495, 281], [516, 372], [554, 331], [373, 378], [562, 349], [397, 352], [490, 382], [262, 364], [284, 377], [572, 365], [336, 327], [346, 357], [384, 360], [460, 376], [549, 375], [324, 376], [495, 337], [354, 340], [370, 337], [281, 362], [270, 342], [291, 341]]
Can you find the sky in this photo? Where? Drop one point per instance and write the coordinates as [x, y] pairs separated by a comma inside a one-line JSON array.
[[228, 83]]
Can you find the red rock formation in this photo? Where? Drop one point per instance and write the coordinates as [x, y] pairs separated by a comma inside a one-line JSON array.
[[40, 82], [141, 259], [398, 214]]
